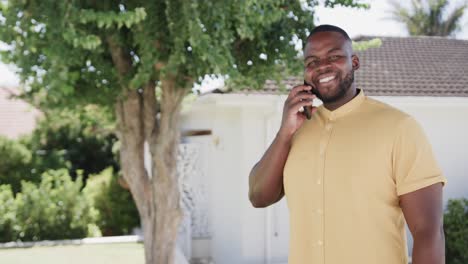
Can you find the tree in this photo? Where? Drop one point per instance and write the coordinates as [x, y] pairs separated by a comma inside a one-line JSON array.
[[78, 139], [428, 18], [138, 59], [456, 231]]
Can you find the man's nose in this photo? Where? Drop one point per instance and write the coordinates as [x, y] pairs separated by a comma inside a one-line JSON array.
[[323, 66]]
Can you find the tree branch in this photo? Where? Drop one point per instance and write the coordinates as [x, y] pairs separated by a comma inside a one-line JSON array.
[[120, 57], [165, 150], [132, 140], [150, 105]]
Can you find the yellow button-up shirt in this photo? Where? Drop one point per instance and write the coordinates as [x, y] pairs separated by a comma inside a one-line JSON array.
[[344, 173]]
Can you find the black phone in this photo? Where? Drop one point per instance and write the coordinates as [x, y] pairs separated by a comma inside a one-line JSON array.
[[306, 109]]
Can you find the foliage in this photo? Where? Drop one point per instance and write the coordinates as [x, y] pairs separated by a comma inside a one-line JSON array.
[[15, 164], [456, 231], [77, 139], [117, 211], [184, 38], [55, 209], [7, 214], [429, 18], [350, 3], [367, 44]]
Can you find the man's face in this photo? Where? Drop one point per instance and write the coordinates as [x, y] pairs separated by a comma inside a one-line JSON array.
[[329, 65]]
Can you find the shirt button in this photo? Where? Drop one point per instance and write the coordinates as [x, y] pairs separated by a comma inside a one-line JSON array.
[[322, 152], [328, 127], [320, 242]]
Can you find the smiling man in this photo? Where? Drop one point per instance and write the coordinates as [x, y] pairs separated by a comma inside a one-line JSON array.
[[354, 172]]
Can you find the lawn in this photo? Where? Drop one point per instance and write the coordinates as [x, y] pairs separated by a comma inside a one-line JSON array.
[[76, 254]]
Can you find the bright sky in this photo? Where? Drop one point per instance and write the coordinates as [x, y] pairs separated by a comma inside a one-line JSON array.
[[374, 21]]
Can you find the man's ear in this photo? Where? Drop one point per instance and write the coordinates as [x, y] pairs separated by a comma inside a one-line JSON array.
[[355, 62]]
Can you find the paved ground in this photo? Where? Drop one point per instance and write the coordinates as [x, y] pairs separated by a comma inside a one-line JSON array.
[[131, 253]]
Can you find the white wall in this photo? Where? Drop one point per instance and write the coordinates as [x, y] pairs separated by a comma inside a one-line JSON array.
[[243, 127], [233, 239]]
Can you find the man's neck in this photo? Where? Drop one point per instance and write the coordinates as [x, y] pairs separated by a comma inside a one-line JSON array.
[[350, 94]]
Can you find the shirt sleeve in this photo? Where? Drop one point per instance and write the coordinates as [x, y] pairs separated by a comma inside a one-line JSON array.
[[414, 164]]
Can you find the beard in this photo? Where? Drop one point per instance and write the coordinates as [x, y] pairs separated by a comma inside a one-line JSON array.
[[343, 87]]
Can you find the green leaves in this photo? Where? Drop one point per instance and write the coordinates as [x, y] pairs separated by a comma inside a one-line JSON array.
[[456, 231], [259, 14], [364, 45], [54, 209], [117, 211], [108, 19], [429, 18], [85, 41], [15, 164], [349, 3], [7, 214], [81, 52]]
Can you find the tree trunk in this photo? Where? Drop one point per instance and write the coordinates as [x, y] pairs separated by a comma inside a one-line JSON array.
[[157, 197], [166, 193], [131, 136]]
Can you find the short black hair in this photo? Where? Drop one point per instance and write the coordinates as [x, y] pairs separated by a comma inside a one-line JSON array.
[[327, 28]]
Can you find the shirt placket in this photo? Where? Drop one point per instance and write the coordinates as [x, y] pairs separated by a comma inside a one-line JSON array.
[[320, 181]]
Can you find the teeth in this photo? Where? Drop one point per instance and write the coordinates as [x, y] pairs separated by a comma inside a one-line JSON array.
[[326, 79]]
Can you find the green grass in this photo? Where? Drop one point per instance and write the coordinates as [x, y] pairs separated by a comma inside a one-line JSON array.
[[80, 254]]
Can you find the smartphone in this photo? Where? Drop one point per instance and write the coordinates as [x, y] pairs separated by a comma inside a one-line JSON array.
[[306, 109]]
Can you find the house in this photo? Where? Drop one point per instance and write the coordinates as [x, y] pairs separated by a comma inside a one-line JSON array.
[[16, 116], [426, 77]]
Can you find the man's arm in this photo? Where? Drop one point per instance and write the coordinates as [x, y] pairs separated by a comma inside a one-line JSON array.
[[266, 177], [424, 215]]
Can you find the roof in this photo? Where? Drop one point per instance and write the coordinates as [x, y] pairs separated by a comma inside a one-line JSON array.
[[16, 117], [406, 66]]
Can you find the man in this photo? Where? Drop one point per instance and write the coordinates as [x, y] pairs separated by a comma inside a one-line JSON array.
[[354, 172]]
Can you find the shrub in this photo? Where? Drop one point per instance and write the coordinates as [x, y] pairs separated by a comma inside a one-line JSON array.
[[456, 231], [54, 209], [77, 139], [117, 210], [15, 164], [7, 214]]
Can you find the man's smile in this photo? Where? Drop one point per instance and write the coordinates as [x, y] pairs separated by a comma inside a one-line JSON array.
[[326, 79]]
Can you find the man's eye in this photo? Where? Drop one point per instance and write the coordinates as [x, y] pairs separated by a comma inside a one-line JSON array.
[[334, 58], [312, 63]]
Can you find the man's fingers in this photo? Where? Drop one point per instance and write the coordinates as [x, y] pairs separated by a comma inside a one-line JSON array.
[[298, 106], [301, 97], [294, 91]]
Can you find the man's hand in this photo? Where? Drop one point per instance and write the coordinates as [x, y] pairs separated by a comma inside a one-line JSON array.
[[300, 96]]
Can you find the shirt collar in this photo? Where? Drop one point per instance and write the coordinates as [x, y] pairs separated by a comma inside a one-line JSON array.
[[344, 109]]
